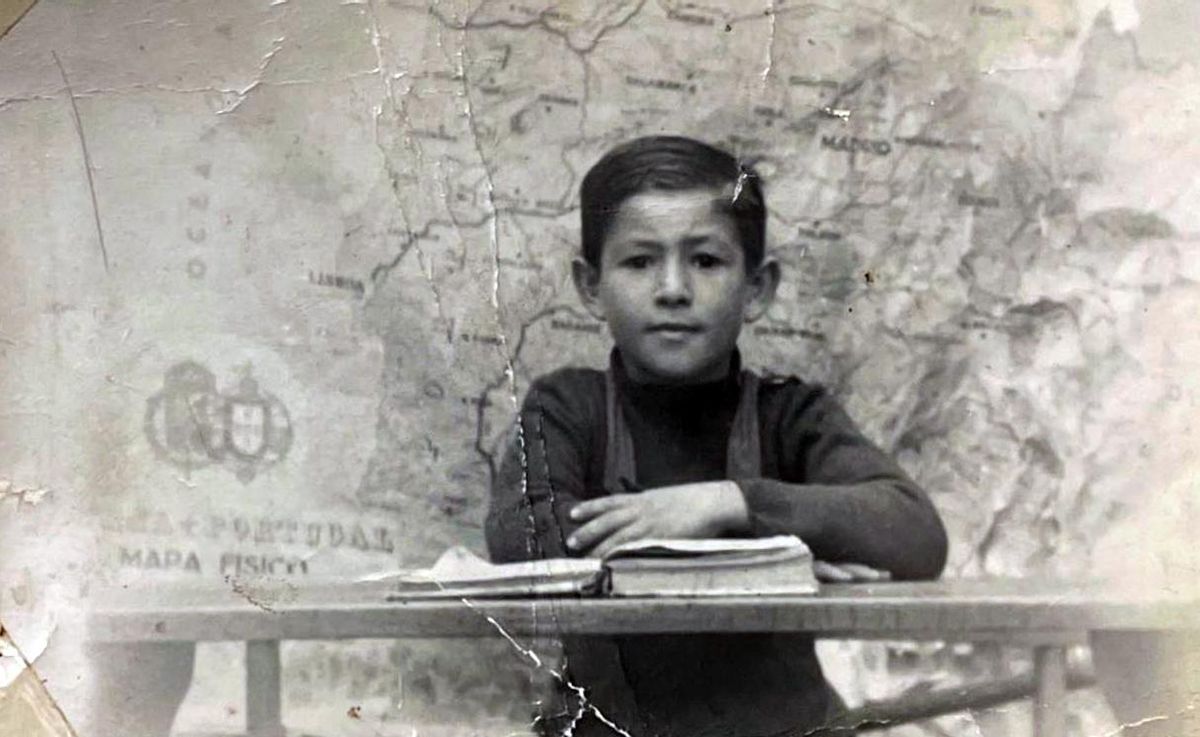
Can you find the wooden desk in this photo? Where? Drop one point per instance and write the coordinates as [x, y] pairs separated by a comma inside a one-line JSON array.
[[1047, 616]]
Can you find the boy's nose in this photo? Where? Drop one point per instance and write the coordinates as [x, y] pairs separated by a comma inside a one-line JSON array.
[[674, 285]]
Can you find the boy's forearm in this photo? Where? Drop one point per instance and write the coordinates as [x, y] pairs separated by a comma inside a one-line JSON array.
[[539, 480], [524, 529], [884, 524], [528, 517]]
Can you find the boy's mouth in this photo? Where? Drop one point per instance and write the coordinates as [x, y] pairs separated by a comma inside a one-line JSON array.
[[673, 328]]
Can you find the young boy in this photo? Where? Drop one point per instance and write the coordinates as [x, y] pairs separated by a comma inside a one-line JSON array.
[[677, 440]]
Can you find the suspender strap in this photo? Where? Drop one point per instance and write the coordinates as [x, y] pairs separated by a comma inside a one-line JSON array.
[[743, 459], [619, 459]]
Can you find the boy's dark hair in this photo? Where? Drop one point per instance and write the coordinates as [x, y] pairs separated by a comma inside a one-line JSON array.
[[670, 163]]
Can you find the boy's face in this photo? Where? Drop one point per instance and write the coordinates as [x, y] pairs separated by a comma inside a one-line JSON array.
[[673, 286]]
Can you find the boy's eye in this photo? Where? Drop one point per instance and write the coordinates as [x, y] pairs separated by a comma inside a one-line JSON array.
[[636, 262], [707, 260]]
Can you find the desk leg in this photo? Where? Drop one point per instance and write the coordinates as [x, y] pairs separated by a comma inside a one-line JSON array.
[[263, 701], [1050, 691]]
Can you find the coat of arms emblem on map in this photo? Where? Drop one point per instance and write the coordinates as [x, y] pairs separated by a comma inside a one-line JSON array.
[[191, 424]]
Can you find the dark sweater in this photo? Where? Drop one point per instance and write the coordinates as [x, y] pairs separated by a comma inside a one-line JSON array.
[[822, 481]]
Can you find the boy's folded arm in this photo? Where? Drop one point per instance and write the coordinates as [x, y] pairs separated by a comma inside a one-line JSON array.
[[844, 497], [539, 479], [876, 523]]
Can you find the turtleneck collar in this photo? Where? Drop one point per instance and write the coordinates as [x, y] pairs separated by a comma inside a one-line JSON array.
[[677, 394]]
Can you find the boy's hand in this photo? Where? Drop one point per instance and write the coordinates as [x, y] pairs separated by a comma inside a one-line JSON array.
[[706, 509]]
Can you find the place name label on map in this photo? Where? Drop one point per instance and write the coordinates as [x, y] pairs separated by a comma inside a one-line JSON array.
[[971, 200], [575, 326], [787, 331], [547, 13], [927, 142], [484, 338], [659, 84], [689, 15], [229, 563], [257, 531], [239, 564], [441, 134], [824, 84], [337, 281], [156, 559], [517, 202], [852, 144], [819, 234], [558, 99], [770, 113], [990, 11]]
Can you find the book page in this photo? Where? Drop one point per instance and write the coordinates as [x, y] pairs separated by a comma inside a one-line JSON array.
[[686, 547]]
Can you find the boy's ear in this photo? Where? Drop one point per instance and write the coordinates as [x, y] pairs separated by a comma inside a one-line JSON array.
[[587, 283], [763, 283]]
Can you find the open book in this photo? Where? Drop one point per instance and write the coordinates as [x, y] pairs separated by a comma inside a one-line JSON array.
[[779, 565]]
